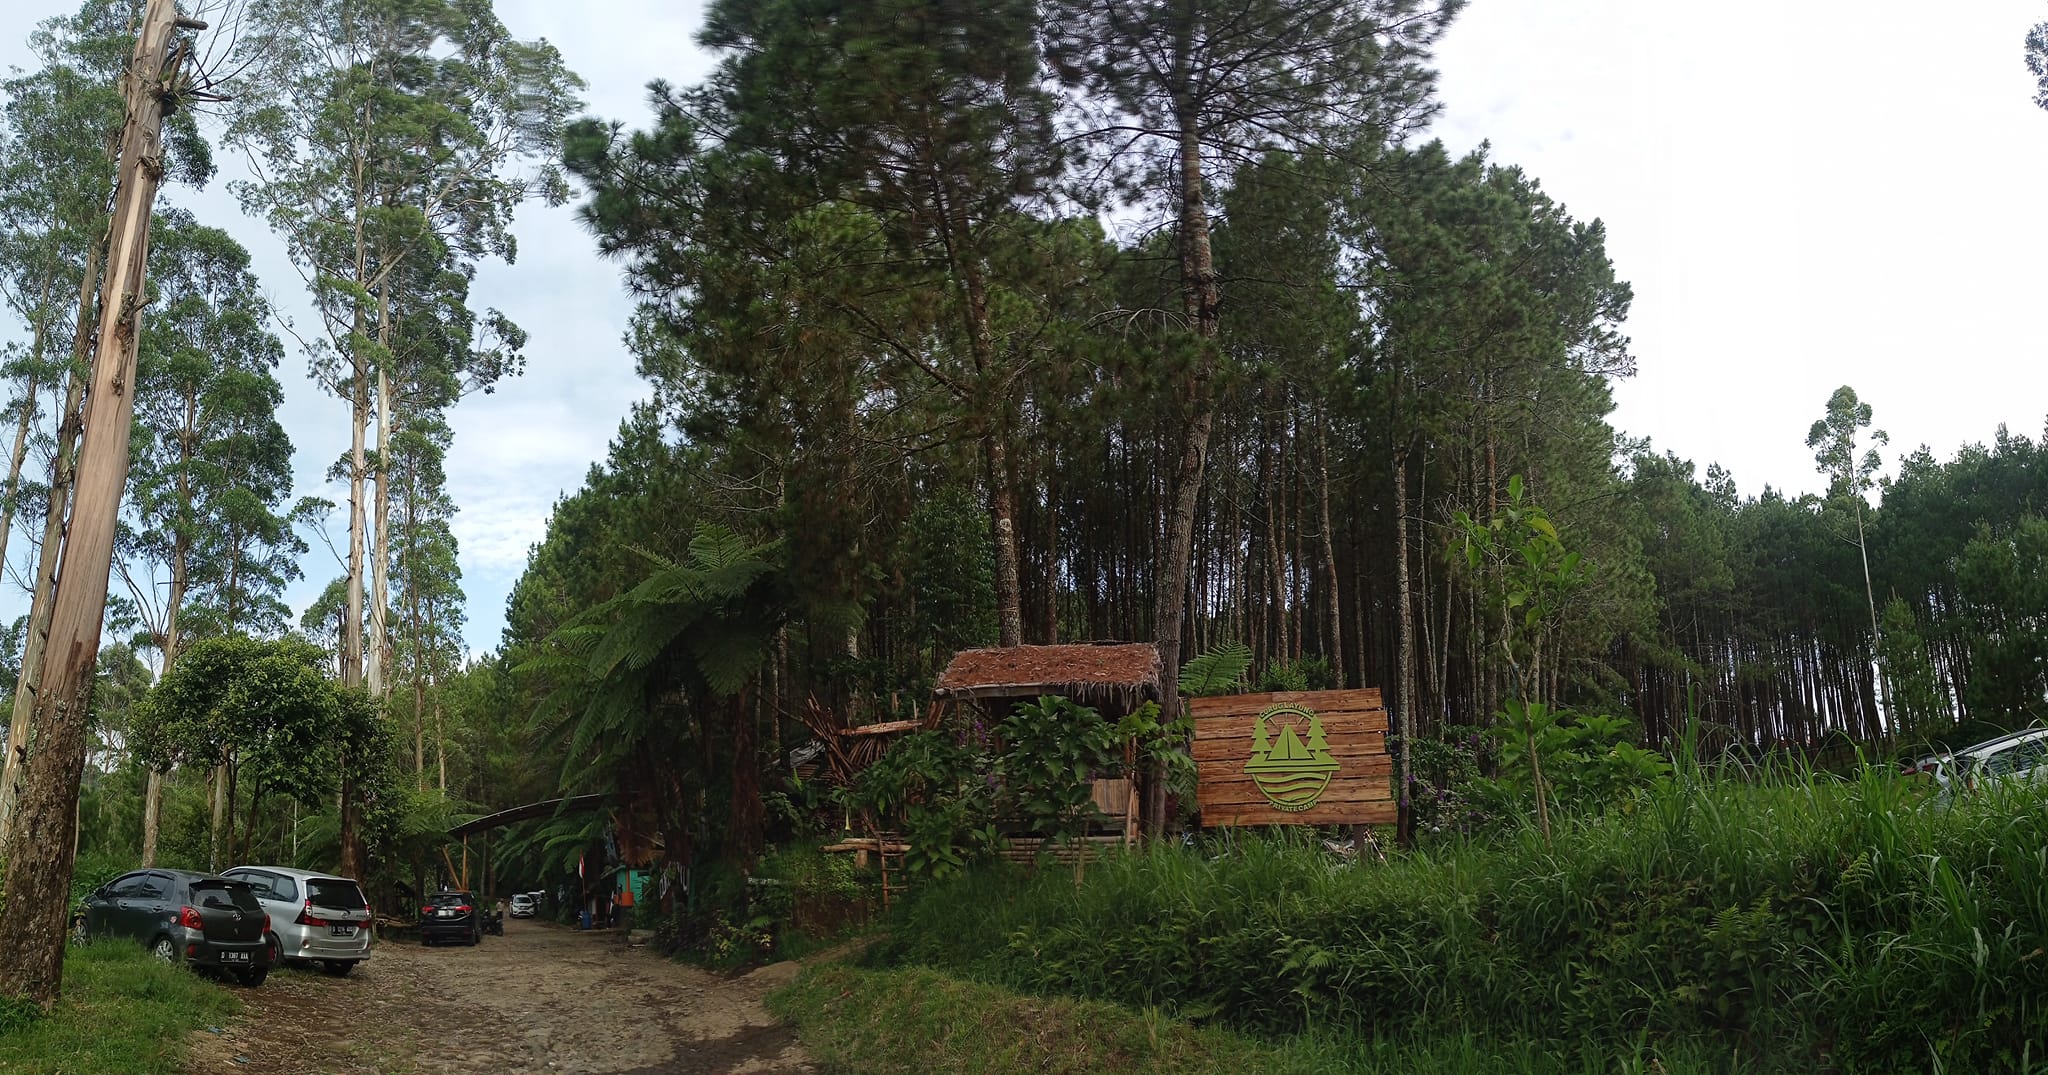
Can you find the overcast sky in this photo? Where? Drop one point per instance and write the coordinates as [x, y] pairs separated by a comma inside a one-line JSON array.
[[1803, 194]]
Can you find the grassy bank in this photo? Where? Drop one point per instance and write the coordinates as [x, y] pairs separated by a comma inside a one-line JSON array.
[[918, 1021], [1807, 922], [122, 1011]]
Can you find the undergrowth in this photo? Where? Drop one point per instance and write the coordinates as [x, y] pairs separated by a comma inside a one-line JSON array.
[[1852, 926], [122, 1011]]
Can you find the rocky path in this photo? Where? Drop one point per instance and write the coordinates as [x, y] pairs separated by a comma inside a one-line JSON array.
[[539, 999]]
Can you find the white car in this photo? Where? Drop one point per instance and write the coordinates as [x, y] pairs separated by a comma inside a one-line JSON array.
[[314, 917], [523, 906], [2020, 755]]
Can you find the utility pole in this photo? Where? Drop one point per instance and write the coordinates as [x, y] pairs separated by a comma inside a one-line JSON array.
[[41, 844]]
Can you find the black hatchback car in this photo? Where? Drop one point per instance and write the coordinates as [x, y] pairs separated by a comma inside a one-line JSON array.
[[451, 916], [184, 917]]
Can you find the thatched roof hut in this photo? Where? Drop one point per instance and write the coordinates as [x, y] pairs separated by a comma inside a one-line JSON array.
[[1111, 676]]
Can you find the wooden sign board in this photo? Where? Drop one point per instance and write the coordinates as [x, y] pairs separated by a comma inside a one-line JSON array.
[[1293, 758]]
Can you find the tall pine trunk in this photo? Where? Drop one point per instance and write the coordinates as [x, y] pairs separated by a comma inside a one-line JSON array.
[[1334, 644], [1199, 299], [1405, 691]]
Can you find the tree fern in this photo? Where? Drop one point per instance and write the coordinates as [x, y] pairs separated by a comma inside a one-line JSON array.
[[1219, 671]]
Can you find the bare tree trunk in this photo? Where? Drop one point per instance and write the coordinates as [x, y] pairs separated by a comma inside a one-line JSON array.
[[378, 673], [220, 809], [168, 643], [1200, 298], [42, 843], [1334, 645], [441, 743], [14, 463], [1002, 501], [53, 532], [1404, 690]]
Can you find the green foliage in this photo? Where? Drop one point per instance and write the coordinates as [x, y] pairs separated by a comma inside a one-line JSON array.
[[123, 1010], [938, 784], [1520, 563], [1590, 763], [1053, 747], [952, 574], [1848, 925], [1305, 674], [1833, 439], [954, 791], [1219, 671], [262, 706]]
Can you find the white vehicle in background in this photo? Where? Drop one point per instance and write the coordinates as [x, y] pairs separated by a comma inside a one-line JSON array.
[[2020, 755], [523, 906], [314, 917]]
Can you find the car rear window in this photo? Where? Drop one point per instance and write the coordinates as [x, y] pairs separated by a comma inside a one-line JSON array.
[[219, 893], [450, 899], [335, 892]]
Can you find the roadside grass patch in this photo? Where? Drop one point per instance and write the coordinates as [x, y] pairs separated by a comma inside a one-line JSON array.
[[917, 1021], [865, 1022], [122, 1011]]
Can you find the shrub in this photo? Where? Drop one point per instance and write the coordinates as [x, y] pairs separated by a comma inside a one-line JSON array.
[[1847, 925]]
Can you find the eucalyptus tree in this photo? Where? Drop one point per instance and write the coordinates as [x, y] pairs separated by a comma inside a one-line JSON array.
[[212, 543], [57, 159], [428, 578], [392, 142], [1177, 96], [1850, 461]]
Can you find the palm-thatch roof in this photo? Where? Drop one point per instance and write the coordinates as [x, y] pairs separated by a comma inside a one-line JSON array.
[[1113, 675]]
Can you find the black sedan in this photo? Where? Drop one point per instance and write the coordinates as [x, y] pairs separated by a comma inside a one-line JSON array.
[[184, 917], [451, 916]]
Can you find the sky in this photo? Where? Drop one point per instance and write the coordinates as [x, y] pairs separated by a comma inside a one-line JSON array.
[[1803, 195]]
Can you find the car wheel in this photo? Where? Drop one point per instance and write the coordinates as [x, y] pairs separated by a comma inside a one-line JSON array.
[[254, 976], [276, 950], [165, 949], [337, 968], [426, 941]]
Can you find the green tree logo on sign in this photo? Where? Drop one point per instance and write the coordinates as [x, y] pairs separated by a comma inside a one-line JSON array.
[[1289, 772]]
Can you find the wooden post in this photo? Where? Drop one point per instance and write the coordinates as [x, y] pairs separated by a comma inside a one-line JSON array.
[[465, 862], [39, 845]]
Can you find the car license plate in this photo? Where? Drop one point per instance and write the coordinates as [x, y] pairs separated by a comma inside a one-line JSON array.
[[234, 957], [447, 912], [343, 931]]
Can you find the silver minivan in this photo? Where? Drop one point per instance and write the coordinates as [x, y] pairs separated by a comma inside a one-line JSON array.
[[314, 917]]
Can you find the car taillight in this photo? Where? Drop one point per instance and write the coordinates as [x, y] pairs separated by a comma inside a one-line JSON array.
[[464, 908], [189, 918], [308, 918], [266, 923]]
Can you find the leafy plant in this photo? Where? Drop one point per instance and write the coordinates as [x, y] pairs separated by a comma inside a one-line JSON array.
[[1219, 671], [1522, 565], [1052, 749]]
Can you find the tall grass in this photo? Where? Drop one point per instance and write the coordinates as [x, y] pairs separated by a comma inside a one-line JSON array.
[[1846, 925]]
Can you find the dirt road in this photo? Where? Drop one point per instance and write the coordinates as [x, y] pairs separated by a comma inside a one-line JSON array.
[[538, 999]]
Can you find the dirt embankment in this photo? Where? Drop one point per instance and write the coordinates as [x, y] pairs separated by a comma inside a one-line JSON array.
[[538, 999]]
